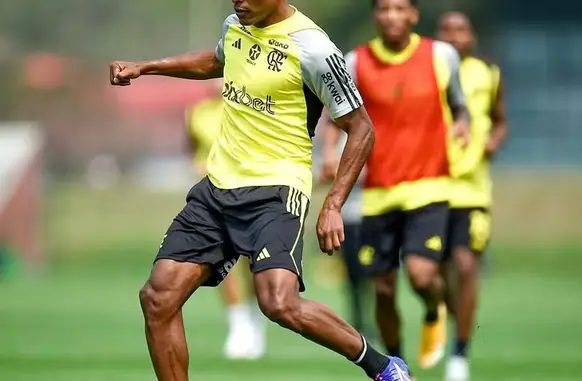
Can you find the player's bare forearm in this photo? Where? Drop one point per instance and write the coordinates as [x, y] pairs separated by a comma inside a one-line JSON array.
[[331, 137], [499, 130], [360, 141], [329, 159], [199, 65]]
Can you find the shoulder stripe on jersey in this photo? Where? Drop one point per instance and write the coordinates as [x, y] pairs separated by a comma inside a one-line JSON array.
[[343, 77]]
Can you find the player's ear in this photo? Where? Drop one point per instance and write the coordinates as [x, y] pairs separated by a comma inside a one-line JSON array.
[[414, 16]]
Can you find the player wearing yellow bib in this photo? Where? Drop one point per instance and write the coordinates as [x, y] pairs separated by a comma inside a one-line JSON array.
[[279, 70], [246, 328], [471, 196]]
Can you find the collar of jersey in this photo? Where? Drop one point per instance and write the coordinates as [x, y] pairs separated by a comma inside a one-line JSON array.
[[389, 56], [280, 26]]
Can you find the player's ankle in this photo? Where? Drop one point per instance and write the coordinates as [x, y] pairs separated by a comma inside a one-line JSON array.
[[371, 361], [460, 348], [238, 314], [395, 350], [431, 316]]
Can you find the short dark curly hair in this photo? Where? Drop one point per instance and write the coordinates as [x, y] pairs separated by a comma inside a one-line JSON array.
[[414, 3]]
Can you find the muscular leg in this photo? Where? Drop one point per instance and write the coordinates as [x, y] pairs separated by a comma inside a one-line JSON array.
[[423, 274], [230, 291], [278, 296], [467, 264], [356, 281], [234, 299], [242, 331], [448, 275], [162, 297], [387, 316], [425, 281]]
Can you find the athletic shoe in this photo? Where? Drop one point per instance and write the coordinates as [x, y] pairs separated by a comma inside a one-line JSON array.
[[433, 340], [242, 343], [397, 370]]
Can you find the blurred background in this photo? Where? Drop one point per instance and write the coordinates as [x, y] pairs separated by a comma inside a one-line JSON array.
[[91, 176]]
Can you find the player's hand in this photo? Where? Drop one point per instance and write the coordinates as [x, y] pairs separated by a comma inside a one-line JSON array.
[[121, 73], [491, 147], [461, 130], [330, 230], [328, 168]]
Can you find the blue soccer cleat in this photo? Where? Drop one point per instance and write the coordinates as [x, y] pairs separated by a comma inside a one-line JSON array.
[[397, 370]]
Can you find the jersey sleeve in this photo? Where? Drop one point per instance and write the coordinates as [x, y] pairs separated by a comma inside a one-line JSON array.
[[455, 95], [219, 51], [351, 65], [324, 72]]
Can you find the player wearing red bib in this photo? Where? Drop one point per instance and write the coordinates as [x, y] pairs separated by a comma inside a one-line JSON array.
[[411, 89]]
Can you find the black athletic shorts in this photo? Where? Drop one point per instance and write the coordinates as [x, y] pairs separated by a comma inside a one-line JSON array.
[[399, 233], [350, 252], [468, 228], [217, 226]]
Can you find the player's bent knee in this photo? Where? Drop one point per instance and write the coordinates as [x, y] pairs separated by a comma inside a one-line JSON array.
[[423, 275], [467, 264], [385, 289], [156, 306], [422, 282], [278, 297], [281, 308]]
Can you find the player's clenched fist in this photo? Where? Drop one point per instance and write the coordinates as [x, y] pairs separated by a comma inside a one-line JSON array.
[[121, 73], [462, 130], [330, 230]]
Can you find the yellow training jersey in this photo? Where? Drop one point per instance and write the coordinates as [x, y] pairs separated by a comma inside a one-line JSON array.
[[473, 187], [203, 124], [276, 81]]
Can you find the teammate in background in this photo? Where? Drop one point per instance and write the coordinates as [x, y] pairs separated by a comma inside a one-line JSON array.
[[279, 70], [471, 193], [359, 286], [411, 89], [246, 329]]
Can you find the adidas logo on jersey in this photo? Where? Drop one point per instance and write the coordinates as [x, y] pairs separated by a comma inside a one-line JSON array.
[[237, 44], [264, 254]]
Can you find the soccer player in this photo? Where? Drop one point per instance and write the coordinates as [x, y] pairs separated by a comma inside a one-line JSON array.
[[471, 193], [411, 89], [246, 328], [359, 287], [279, 69]]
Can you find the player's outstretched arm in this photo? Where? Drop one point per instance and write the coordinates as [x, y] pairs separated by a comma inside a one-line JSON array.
[[203, 64], [199, 65]]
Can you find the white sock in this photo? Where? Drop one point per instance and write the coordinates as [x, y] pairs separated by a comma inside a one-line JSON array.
[[257, 318], [238, 314]]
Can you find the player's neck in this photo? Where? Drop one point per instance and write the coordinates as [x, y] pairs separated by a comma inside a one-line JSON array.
[[283, 12], [397, 46]]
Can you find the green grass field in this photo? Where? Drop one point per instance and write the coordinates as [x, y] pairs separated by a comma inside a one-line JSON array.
[[81, 320]]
